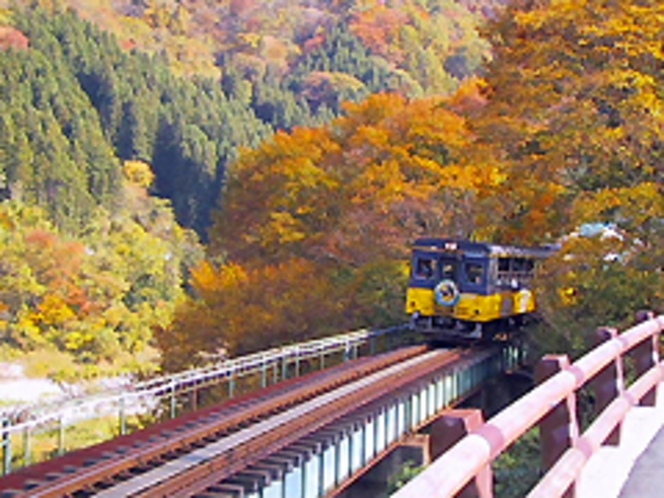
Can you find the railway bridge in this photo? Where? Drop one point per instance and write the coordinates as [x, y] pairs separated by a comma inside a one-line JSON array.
[[304, 433], [582, 459], [281, 424]]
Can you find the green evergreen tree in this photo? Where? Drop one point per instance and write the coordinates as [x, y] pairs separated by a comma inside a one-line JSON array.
[[188, 130]]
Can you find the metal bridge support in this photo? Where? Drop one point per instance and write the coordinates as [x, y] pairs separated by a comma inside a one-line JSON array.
[[27, 446], [558, 428], [194, 397], [173, 400], [6, 447], [446, 431], [284, 369], [122, 418], [61, 436], [231, 385], [263, 374]]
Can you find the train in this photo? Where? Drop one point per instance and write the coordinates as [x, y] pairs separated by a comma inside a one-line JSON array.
[[460, 289]]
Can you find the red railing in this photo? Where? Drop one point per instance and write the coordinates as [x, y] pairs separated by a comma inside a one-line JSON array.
[[466, 466]]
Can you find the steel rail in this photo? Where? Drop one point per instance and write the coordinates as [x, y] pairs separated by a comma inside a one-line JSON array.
[[454, 402], [116, 456], [96, 405], [448, 475], [297, 423], [24, 421]]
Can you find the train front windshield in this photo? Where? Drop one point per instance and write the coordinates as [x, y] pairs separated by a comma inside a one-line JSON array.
[[430, 267], [424, 268]]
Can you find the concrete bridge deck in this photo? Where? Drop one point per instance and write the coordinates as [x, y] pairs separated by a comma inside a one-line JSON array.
[[646, 480], [634, 468]]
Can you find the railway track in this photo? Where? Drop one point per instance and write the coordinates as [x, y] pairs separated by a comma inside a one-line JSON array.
[[90, 471], [203, 468], [191, 454]]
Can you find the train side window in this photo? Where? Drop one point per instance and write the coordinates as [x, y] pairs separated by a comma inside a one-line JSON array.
[[424, 268], [522, 271], [474, 273], [518, 265], [503, 276]]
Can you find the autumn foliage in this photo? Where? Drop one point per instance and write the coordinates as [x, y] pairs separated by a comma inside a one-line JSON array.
[[314, 228], [574, 112], [574, 108], [355, 190], [12, 37], [564, 132], [94, 299]]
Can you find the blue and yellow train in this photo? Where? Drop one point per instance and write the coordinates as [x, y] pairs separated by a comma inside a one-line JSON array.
[[474, 290]]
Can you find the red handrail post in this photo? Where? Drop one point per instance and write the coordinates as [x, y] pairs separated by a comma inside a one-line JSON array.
[[449, 429], [559, 428], [608, 383], [646, 356]]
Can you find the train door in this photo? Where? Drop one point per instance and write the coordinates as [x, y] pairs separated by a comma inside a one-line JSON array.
[[474, 275], [505, 284], [447, 269], [447, 291]]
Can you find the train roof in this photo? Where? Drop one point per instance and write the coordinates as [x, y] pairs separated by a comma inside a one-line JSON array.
[[481, 248]]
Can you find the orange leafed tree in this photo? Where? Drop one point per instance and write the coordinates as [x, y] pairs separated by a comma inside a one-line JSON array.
[[314, 227], [575, 109], [574, 113], [244, 310], [389, 170]]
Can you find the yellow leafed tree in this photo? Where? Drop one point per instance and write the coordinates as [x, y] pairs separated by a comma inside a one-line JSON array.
[[315, 224]]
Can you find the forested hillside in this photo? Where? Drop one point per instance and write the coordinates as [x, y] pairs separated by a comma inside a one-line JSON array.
[[109, 107], [87, 306], [564, 131], [89, 105], [422, 46], [252, 69]]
